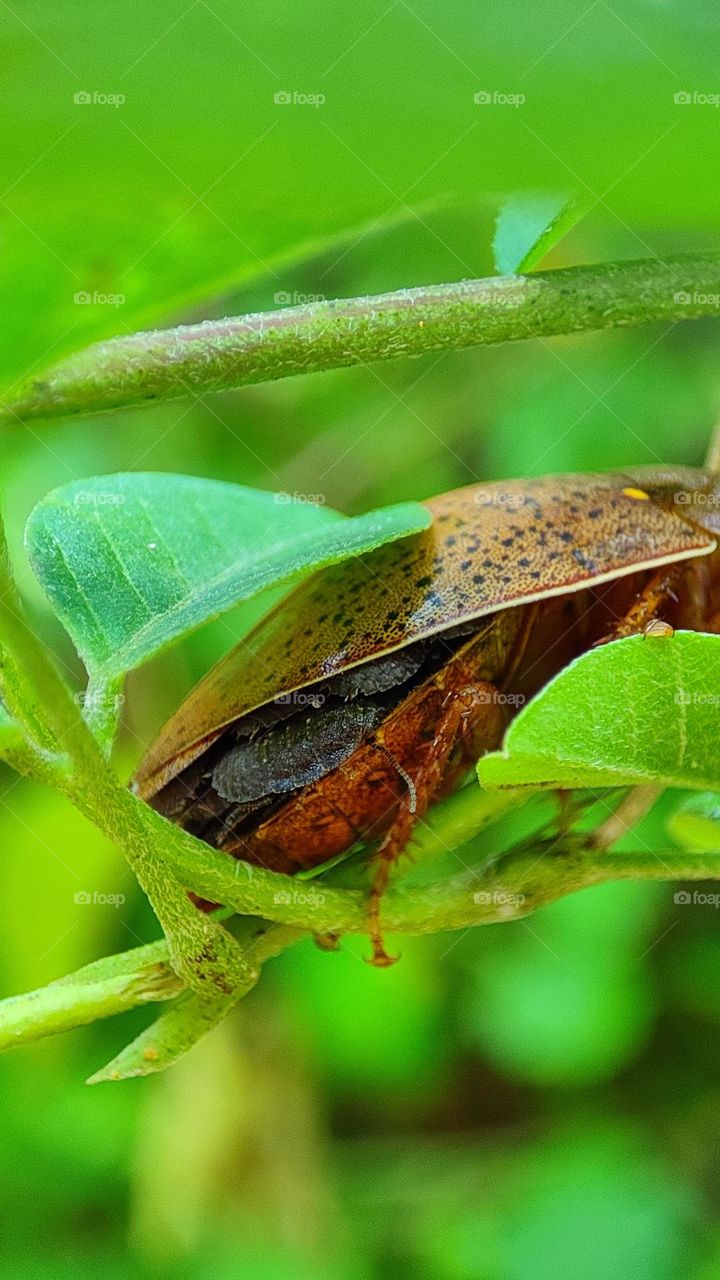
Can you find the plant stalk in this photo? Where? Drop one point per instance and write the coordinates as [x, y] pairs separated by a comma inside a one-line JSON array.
[[220, 354]]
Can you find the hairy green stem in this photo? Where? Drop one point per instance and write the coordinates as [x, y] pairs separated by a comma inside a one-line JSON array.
[[548, 871], [116, 983], [511, 887], [190, 1017], [99, 990], [218, 354], [201, 950]]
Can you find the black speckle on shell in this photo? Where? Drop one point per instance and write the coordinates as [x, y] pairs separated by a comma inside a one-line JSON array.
[[417, 587]]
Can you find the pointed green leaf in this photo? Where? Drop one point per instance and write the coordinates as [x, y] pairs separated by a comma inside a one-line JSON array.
[[640, 710], [168, 1038], [528, 226], [192, 1016], [133, 561]]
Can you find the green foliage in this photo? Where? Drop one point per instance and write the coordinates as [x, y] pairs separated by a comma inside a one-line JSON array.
[[132, 563], [528, 226], [641, 710], [620, 1212], [397, 1042], [579, 1005], [197, 181], [477, 1111]]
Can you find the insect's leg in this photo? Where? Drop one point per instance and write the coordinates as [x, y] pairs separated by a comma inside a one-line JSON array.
[[462, 708], [656, 593]]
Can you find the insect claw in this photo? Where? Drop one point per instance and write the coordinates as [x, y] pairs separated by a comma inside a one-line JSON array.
[[380, 959]]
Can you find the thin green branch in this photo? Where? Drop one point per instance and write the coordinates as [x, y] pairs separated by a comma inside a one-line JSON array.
[[511, 887], [525, 879], [201, 950], [540, 874], [99, 990], [143, 975], [219, 354], [192, 1016]]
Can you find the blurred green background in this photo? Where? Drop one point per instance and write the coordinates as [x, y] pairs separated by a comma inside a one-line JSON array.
[[537, 1099]]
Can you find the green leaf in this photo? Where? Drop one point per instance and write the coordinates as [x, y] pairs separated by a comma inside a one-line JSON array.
[[695, 824], [168, 1038], [133, 561], [643, 709], [528, 226]]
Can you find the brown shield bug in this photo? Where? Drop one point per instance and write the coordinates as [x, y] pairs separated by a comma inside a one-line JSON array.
[[367, 693]]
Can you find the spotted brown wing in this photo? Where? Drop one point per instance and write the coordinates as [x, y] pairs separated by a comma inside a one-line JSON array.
[[490, 546]]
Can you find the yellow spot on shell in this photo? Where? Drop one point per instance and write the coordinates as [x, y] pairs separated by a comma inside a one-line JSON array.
[[637, 493]]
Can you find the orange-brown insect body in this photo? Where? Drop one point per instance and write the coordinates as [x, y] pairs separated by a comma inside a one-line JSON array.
[[507, 585]]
